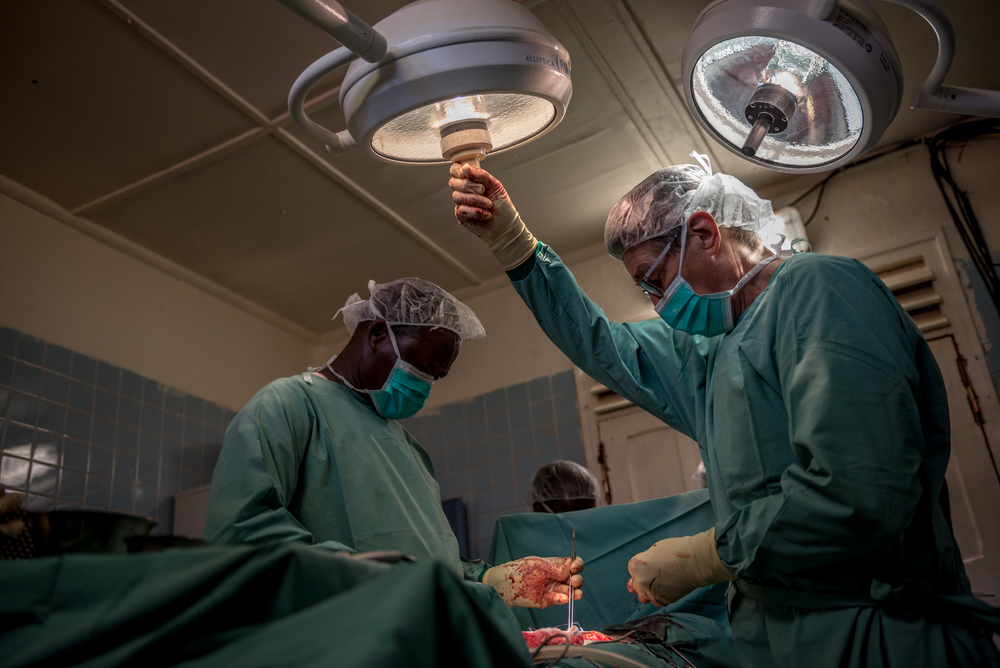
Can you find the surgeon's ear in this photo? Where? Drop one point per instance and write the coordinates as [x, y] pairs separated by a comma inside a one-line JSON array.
[[377, 332], [704, 232]]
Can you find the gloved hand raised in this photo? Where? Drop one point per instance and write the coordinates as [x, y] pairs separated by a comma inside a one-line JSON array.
[[483, 207], [534, 582], [675, 567]]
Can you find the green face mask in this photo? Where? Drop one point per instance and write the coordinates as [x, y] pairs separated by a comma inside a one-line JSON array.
[[404, 392]]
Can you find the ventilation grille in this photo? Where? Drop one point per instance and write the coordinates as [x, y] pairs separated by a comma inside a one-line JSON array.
[[607, 401], [912, 283]]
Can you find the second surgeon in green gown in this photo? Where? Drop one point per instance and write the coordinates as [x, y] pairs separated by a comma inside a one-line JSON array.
[[818, 407], [321, 458]]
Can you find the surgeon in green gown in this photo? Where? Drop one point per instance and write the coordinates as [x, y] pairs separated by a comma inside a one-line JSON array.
[[321, 458], [818, 407]]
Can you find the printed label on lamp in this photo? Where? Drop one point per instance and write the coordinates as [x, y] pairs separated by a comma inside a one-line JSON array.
[[851, 27], [558, 63]]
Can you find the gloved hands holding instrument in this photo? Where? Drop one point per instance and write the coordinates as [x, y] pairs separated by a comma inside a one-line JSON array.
[[535, 582], [483, 207], [675, 567]]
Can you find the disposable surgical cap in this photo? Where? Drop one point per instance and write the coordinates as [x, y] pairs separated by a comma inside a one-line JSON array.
[[562, 481], [413, 302], [668, 198]]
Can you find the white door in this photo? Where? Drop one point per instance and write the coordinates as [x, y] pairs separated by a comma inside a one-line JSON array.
[[646, 459], [972, 480]]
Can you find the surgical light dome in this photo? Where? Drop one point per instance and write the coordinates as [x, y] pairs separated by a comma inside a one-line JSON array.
[[787, 90], [808, 85], [438, 80]]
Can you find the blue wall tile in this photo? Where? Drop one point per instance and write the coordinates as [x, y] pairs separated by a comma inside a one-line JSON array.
[[27, 378], [131, 385], [71, 485], [14, 472], [102, 433], [6, 370], [8, 341], [479, 453], [44, 479], [54, 387], [121, 498], [98, 494], [81, 396], [84, 368], [58, 359], [152, 392], [74, 455], [563, 383], [4, 396], [30, 350], [48, 448], [102, 461], [108, 377], [22, 408], [51, 417]]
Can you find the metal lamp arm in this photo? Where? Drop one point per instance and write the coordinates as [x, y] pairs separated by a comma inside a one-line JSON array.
[[339, 23], [934, 96], [336, 143]]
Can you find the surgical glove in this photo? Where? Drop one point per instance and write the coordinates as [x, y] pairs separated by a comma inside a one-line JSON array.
[[9, 502], [675, 567], [483, 207], [534, 582]]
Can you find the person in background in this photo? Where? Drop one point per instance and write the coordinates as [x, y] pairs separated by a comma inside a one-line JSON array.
[[818, 408], [321, 457], [562, 487]]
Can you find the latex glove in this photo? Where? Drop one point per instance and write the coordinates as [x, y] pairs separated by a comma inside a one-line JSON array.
[[675, 567], [483, 207], [9, 502], [535, 582]]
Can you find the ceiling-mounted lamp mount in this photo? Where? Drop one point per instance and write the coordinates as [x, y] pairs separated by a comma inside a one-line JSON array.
[[457, 79], [807, 85]]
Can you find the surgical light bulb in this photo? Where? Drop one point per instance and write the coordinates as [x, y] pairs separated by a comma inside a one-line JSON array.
[[777, 101]]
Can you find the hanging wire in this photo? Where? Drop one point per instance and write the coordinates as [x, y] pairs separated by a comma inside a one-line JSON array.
[[958, 202]]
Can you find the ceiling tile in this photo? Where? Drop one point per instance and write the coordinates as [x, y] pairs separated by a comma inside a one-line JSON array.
[[90, 105], [265, 224], [256, 47]]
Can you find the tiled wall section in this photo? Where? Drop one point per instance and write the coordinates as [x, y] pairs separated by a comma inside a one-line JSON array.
[[486, 450], [80, 433]]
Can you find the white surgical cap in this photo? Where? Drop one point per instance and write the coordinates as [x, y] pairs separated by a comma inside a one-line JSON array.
[[412, 302], [562, 481], [668, 198]]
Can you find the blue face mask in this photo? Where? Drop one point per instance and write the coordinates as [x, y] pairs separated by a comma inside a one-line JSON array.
[[404, 392], [684, 310]]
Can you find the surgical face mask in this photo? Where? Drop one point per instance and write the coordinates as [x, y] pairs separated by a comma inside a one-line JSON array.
[[404, 392], [684, 310]]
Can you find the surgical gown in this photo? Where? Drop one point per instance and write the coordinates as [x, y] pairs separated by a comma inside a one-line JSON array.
[[309, 460], [822, 420]]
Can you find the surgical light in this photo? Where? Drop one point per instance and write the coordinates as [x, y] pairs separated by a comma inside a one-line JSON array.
[[438, 80], [808, 85]]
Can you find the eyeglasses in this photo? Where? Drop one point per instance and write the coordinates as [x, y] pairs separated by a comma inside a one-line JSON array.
[[648, 288]]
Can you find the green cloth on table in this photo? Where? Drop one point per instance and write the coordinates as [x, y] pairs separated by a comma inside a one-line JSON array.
[[823, 423], [277, 604], [309, 460], [606, 538]]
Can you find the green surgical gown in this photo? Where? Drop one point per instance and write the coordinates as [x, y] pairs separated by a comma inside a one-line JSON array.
[[822, 420], [310, 460]]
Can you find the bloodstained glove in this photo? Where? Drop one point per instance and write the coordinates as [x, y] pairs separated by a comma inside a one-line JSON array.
[[483, 207], [675, 567], [534, 582]]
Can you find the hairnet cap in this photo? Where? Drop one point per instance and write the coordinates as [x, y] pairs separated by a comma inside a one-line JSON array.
[[562, 480], [412, 302], [667, 199]]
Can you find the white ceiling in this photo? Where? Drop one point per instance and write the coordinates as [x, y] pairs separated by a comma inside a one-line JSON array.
[[165, 122]]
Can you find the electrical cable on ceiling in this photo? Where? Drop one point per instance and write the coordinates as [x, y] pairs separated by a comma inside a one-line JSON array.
[[955, 198], [958, 202]]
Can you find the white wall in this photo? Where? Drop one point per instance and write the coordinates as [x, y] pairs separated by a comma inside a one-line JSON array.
[[65, 287]]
